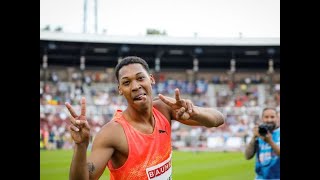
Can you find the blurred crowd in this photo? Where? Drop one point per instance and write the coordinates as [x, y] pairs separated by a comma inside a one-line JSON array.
[[241, 102]]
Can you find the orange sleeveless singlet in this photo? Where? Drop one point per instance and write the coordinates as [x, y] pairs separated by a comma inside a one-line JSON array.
[[149, 154]]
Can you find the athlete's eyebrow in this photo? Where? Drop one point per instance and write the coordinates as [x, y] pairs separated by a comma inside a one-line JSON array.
[[125, 77]]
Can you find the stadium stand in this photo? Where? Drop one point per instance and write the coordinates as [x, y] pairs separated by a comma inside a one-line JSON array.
[[74, 65]]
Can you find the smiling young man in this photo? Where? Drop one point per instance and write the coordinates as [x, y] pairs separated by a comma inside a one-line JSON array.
[[136, 143]]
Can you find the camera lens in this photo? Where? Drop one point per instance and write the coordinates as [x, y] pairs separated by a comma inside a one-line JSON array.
[[263, 130]]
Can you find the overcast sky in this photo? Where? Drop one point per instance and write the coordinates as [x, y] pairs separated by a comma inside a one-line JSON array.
[[206, 18]]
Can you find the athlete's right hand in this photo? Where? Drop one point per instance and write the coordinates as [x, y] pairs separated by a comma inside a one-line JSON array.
[[79, 128]]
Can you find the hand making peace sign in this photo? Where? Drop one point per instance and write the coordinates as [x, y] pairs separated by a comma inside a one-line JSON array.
[[79, 128], [182, 109]]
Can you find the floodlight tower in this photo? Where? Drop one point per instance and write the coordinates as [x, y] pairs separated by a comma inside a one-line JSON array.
[[90, 6]]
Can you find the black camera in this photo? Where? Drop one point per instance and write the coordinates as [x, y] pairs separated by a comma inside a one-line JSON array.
[[265, 128]]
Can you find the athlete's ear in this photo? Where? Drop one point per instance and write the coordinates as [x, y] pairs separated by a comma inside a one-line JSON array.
[[120, 92], [153, 81]]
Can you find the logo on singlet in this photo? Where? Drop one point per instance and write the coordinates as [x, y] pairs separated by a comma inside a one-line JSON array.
[[161, 171], [163, 131]]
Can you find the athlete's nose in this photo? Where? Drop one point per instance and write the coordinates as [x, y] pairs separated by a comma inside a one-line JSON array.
[[135, 85]]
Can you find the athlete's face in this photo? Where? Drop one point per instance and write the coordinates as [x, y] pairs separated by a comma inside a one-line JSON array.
[[135, 84], [269, 116]]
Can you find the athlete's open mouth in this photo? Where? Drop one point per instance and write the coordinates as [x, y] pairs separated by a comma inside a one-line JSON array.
[[140, 97]]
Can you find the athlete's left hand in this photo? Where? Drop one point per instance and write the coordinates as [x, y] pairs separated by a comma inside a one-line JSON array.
[[182, 109]]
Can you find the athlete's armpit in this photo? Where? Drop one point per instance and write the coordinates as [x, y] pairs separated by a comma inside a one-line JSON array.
[[91, 167]]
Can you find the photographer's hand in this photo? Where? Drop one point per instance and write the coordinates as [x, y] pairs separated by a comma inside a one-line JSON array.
[[251, 147], [267, 138], [256, 131], [249, 152]]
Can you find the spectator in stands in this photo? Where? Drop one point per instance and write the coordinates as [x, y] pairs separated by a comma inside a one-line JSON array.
[[144, 127], [267, 147], [54, 77], [87, 80]]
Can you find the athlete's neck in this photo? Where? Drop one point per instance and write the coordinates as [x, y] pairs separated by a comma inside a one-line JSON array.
[[143, 116]]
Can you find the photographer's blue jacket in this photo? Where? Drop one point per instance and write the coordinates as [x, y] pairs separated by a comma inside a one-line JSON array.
[[267, 162]]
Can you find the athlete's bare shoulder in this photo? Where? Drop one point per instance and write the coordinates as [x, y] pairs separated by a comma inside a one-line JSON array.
[[162, 107], [111, 125], [111, 134]]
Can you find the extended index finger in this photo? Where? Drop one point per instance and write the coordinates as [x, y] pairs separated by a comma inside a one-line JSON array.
[[165, 100], [73, 114], [177, 92], [83, 106]]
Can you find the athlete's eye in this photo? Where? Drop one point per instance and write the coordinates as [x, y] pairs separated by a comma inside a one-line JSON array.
[[125, 83]]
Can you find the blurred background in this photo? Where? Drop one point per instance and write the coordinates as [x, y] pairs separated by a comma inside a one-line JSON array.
[[219, 53]]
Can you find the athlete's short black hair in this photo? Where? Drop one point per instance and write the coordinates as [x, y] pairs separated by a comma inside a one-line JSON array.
[[130, 60]]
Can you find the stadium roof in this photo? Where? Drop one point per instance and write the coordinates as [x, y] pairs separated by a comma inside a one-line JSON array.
[[157, 40], [66, 49]]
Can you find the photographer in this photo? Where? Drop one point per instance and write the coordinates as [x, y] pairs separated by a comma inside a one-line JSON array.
[[266, 144]]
